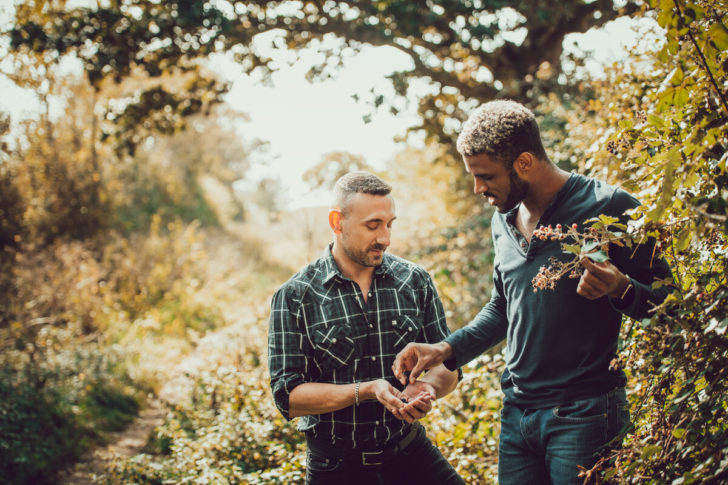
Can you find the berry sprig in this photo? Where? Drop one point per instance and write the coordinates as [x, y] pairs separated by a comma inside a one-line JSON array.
[[593, 243]]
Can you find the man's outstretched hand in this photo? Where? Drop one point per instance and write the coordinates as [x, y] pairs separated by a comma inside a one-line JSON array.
[[385, 393], [418, 397], [416, 358]]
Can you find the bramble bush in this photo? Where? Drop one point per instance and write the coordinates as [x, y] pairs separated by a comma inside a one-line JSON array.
[[664, 136], [465, 424]]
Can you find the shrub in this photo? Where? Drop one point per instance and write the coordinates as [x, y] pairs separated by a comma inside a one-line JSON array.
[[58, 399], [65, 359], [226, 430]]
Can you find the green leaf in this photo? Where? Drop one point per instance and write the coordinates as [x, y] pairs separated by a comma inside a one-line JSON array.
[[676, 76], [673, 46], [650, 450], [719, 36], [598, 256], [590, 246], [571, 248], [682, 96], [665, 99], [684, 240], [607, 220], [665, 18], [656, 121], [691, 179], [679, 432]]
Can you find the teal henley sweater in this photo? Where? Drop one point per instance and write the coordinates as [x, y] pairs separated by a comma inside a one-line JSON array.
[[558, 344]]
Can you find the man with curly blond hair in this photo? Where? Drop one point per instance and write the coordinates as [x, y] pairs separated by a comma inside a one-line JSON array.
[[564, 403]]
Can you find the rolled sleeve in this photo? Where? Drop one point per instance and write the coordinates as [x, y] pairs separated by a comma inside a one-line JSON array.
[[286, 359], [282, 388]]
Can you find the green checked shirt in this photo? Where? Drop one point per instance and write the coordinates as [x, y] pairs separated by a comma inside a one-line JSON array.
[[321, 330]]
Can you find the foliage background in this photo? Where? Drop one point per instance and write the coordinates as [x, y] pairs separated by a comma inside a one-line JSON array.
[[130, 268]]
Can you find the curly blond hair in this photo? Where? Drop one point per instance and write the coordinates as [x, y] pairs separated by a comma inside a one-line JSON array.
[[502, 129]]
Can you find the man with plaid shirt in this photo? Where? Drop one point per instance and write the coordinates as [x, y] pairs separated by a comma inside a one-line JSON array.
[[335, 328]]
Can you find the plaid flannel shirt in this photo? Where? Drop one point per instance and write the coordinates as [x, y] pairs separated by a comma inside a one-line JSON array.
[[321, 330]]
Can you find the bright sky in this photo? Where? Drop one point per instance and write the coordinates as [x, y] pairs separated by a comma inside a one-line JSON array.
[[303, 121]]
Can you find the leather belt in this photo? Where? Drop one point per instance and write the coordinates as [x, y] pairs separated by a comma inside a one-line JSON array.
[[369, 458]]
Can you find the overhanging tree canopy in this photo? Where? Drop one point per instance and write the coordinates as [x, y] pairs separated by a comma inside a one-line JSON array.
[[469, 50]]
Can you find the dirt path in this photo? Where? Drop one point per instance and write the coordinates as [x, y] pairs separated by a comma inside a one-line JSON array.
[[220, 347], [215, 349], [123, 444]]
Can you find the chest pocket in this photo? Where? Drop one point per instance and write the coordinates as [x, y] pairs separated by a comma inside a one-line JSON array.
[[334, 347], [406, 329]]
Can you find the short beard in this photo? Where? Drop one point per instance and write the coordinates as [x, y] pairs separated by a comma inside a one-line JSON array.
[[362, 257], [519, 189]]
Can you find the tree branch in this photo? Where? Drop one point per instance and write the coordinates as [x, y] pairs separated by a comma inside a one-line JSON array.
[[704, 62]]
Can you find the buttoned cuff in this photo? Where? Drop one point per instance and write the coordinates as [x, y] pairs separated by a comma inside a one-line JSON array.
[[630, 304], [451, 363]]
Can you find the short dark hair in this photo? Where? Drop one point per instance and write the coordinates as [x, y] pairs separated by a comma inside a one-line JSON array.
[[358, 182], [502, 129]]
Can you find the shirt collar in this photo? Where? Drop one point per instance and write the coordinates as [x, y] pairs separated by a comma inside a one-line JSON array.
[[331, 269]]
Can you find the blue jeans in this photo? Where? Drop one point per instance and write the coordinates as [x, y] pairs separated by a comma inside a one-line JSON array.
[[420, 463], [546, 446]]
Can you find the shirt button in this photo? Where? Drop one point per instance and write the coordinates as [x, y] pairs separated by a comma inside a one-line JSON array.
[[371, 326], [333, 340], [409, 329], [374, 358], [394, 323], [376, 422]]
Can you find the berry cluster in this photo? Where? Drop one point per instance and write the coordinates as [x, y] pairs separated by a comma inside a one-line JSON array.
[[554, 233], [614, 147], [548, 275], [580, 244]]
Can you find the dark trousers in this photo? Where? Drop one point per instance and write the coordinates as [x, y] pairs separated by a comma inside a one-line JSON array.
[[420, 463]]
